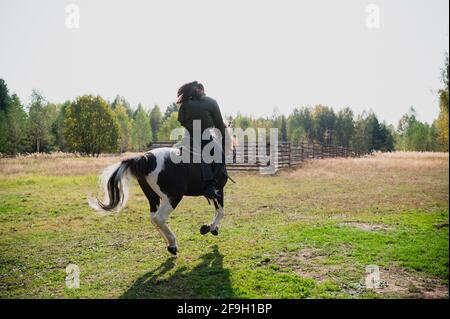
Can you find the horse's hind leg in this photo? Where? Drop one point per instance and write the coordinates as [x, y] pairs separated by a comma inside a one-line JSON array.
[[152, 197], [160, 213], [159, 219]]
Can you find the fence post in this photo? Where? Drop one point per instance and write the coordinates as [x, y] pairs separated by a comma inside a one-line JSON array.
[[290, 154], [301, 156]]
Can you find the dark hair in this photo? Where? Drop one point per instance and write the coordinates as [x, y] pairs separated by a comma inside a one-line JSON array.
[[190, 91]]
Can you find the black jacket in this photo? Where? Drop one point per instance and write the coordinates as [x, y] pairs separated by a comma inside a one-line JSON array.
[[204, 109]]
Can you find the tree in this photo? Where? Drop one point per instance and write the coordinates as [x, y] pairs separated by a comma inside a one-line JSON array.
[[39, 123], [125, 125], [142, 131], [414, 135], [90, 126], [386, 143], [15, 126], [170, 109], [243, 122], [52, 112], [360, 139], [344, 127], [324, 120], [121, 101], [433, 139], [369, 135], [300, 125], [4, 103], [155, 120], [263, 123], [58, 127], [167, 126], [407, 120], [283, 129], [442, 121], [3, 130], [4, 96], [375, 135], [418, 137], [379, 137], [276, 118]]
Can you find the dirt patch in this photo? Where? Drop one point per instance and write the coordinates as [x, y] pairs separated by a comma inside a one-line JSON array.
[[365, 226], [403, 283], [442, 225], [310, 263], [396, 282]]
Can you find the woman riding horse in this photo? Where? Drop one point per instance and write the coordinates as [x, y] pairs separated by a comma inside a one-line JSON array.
[[165, 181], [196, 106]]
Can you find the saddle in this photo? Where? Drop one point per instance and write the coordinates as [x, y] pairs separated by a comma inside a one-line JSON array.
[[216, 172]]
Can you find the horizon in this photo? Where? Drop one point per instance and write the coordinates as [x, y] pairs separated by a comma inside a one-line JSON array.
[[285, 55]]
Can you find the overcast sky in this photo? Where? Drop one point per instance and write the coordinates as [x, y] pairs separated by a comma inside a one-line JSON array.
[[252, 56]]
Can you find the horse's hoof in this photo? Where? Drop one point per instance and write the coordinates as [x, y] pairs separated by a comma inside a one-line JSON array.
[[172, 250], [215, 232], [205, 229]]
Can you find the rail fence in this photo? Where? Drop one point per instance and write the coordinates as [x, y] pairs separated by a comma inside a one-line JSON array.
[[248, 157]]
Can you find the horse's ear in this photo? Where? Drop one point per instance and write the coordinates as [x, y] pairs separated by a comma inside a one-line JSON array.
[[227, 123]]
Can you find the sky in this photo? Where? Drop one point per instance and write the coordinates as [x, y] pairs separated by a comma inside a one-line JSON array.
[[252, 56]]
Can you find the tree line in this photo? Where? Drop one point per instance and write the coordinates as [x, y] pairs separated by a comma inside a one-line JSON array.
[[364, 131], [322, 124], [91, 125]]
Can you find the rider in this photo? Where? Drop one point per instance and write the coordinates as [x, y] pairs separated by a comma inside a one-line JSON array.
[[195, 105]]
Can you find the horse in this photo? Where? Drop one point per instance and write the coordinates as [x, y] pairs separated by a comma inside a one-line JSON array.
[[164, 183]]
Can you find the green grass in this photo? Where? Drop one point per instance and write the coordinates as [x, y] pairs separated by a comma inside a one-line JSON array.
[[46, 224]]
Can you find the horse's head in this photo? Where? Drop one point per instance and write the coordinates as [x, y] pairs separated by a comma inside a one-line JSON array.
[[230, 141]]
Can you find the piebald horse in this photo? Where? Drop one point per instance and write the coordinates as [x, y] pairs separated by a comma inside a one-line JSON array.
[[164, 183]]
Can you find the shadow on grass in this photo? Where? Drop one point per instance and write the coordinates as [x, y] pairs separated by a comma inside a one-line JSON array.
[[207, 280]]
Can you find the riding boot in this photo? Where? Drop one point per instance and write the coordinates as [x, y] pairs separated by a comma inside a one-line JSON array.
[[208, 177], [211, 192]]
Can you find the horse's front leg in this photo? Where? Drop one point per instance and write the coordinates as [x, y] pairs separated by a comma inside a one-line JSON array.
[[216, 221], [218, 215], [159, 219]]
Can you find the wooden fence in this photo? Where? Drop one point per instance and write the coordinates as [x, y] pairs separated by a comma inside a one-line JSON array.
[[248, 157]]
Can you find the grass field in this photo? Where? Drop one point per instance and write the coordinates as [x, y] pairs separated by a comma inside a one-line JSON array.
[[308, 233]]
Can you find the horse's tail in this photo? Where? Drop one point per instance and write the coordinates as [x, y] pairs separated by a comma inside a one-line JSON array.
[[115, 179]]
